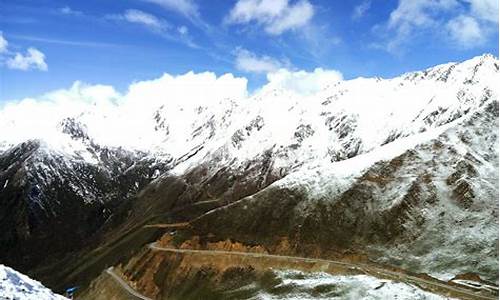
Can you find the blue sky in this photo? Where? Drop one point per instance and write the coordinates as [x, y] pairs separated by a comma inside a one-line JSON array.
[[47, 44]]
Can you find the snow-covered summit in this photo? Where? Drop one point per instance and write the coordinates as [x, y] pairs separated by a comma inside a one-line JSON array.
[[17, 286], [196, 115]]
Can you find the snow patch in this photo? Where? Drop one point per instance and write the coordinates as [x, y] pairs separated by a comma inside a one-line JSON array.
[[14, 285], [325, 286]]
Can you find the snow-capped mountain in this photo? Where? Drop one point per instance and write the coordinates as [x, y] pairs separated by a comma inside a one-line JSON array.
[[339, 121], [52, 201], [427, 203], [14, 285], [69, 159]]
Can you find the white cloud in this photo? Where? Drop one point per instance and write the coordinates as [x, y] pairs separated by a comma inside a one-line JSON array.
[[183, 30], [418, 13], [302, 82], [185, 7], [485, 9], [412, 16], [465, 31], [145, 19], [38, 117], [107, 112], [34, 59], [277, 16], [187, 89], [361, 9], [66, 10], [465, 22], [3, 43], [249, 62], [297, 16], [157, 25], [245, 11]]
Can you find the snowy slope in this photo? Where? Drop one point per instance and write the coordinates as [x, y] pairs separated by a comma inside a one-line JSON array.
[[341, 120], [427, 203], [294, 285], [344, 119], [213, 121], [455, 168], [16, 286]]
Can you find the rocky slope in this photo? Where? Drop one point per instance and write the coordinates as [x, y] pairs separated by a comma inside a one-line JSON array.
[[402, 169], [188, 277], [52, 201], [426, 203]]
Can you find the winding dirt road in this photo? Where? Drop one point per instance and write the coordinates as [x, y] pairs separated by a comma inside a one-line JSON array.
[[125, 285], [428, 284], [467, 294]]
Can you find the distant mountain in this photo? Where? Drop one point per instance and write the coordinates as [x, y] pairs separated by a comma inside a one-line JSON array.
[[402, 169]]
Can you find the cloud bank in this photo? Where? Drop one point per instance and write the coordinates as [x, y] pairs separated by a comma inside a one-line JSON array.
[[106, 111], [302, 82]]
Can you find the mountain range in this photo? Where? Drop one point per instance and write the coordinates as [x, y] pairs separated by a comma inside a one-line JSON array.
[[401, 172]]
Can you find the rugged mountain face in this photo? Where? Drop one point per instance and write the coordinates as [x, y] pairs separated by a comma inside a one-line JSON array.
[[403, 170], [52, 202], [426, 203]]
